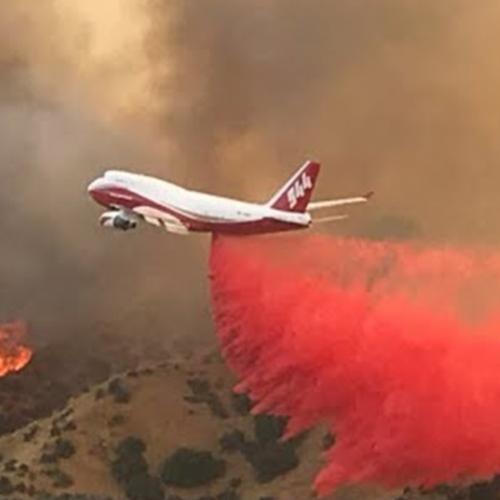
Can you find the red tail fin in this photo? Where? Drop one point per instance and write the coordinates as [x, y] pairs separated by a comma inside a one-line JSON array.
[[294, 196]]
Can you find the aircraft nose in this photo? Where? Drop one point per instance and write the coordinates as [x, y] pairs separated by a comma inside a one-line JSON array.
[[97, 191], [93, 186]]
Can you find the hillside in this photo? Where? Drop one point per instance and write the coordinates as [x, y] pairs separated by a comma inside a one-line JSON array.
[[171, 431]]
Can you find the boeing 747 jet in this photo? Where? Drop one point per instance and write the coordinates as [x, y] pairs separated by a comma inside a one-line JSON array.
[[131, 198]]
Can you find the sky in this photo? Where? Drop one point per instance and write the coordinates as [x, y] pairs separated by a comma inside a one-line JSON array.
[[230, 97]]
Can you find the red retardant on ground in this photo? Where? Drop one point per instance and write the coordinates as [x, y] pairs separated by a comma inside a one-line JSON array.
[[395, 346]]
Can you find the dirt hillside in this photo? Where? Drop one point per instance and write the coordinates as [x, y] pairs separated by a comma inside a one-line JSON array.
[[172, 431]]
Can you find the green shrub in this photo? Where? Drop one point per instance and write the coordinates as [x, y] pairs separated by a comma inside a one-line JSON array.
[[64, 448], [129, 461], [130, 469], [6, 487], [268, 428], [144, 487], [189, 468], [271, 460], [232, 441], [119, 390]]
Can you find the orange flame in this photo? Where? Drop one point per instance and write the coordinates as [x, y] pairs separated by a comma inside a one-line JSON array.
[[14, 356]]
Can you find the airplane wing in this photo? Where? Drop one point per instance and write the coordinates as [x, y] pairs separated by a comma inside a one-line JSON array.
[[317, 205], [161, 219], [176, 228]]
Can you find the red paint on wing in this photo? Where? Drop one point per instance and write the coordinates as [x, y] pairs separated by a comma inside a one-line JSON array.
[[396, 347]]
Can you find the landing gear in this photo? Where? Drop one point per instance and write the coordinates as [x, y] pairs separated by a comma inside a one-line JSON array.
[[118, 220]]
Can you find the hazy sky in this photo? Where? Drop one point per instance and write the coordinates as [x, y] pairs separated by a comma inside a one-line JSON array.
[[399, 97]]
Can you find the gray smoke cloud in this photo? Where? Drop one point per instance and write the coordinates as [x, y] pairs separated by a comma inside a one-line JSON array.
[[394, 96], [229, 97], [61, 125]]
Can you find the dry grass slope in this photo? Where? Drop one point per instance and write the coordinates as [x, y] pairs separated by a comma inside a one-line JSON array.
[[183, 410]]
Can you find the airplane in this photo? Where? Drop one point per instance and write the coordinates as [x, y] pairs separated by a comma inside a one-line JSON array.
[[131, 198]]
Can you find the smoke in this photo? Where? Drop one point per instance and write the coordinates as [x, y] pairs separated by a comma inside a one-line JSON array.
[[229, 97], [394, 346], [394, 96], [73, 95]]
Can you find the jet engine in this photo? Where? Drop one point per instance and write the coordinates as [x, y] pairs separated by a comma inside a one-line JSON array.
[[118, 219]]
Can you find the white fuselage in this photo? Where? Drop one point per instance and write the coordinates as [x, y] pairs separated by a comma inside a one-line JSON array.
[[167, 203]]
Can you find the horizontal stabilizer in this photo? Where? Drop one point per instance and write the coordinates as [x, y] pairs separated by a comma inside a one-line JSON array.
[[331, 218], [318, 205]]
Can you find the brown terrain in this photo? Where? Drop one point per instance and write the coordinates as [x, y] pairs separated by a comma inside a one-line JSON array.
[[172, 430]]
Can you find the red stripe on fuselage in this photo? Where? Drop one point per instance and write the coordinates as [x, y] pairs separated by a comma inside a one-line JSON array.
[[119, 197]]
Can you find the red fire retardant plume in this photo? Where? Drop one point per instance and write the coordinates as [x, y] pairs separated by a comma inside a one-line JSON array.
[[395, 347]]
